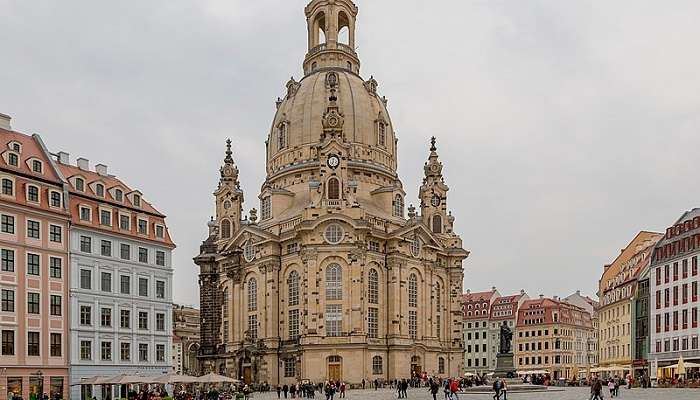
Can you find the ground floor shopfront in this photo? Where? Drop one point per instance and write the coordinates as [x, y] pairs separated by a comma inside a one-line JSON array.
[[107, 392], [32, 382]]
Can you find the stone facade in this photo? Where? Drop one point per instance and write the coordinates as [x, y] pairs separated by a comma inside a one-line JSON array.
[[186, 340], [329, 279]]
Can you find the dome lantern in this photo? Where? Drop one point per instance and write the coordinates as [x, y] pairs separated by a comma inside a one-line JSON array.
[[331, 35]]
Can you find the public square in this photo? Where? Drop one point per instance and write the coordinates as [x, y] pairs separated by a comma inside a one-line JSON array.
[[555, 394]]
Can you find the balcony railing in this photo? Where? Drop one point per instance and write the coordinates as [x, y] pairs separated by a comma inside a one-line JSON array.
[[324, 46]]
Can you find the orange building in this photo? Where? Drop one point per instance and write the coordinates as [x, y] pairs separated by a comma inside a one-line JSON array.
[[33, 273]]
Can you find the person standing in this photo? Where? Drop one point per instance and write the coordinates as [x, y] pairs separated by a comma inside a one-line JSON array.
[[497, 389], [279, 390], [363, 383], [434, 387], [342, 389], [285, 389]]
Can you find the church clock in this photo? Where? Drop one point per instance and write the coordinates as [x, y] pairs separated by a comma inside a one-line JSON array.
[[436, 201], [333, 161]]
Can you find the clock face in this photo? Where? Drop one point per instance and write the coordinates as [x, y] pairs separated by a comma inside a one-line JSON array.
[[436, 201], [333, 161]]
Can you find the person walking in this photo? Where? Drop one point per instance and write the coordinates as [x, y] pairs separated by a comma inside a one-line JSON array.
[[434, 388], [342, 389], [611, 388], [454, 388], [363, 383], [279, 390], [504, 389], [285, 390]]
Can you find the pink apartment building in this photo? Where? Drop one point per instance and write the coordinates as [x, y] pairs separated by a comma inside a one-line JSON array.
[[33, 270]]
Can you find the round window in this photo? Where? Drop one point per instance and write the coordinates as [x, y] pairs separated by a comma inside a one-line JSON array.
[[334, 234], [249, 250], [415, 247]]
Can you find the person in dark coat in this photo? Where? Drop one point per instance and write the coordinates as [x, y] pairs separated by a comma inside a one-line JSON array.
[[285, 389]]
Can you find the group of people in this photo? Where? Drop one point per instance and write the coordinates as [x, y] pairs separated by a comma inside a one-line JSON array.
[[598, 384], [308, 390]]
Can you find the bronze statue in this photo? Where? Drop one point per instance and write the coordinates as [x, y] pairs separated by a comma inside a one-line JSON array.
[[506, 337]]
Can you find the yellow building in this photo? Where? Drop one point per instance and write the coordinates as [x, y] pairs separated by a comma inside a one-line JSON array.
[[617, 287], [333, 280]]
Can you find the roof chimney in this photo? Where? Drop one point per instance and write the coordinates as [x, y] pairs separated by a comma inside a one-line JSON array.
[[541, 297], [522, 292], [63, 157], [5, 121], [84, 164], [469, 291], [493, 288], [556, 298], [578, 292], [101, 169]]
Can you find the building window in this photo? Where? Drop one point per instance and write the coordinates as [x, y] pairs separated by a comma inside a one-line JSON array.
[[290, 368], [373, 246], [33, 267], [106, 248], [8, 343], [160, 321], [36, 166], [85, 214], [125, 251], [143, 320], [415, 246], [106, 317], [373, 287], [118, 195], [253, 326], [8, 260], [381, 139], [13, 159], [125, 319], [413, 324], [55, 199], [334, 282], [160, 231], [143, 227], [7, 187], [7, 224], [160, 258], [377, 365], [33, 344], [333, 189], [124, 222], [86, 244], [293, 289], [137, 200], [160, 353], [293, 324], [413, 290], [143, 255], [106, 281], [441, 365], [266, 207], [8, 300], [160, 289], [334, 234], [125, 351], [85, 350], [33, 193], [252, 295], [398, 206], [334, 319], [33, 303], [55, 233], [125, 284], [106, 351], [225, 229], [248, 250], [56, 306], [143, 352], [105, 217], [55, 267], [85, 315], [437, 224], [85, 279], [79, 184], [33, 229], [373, 322], [282, 136], [100, 190], [143, 287]]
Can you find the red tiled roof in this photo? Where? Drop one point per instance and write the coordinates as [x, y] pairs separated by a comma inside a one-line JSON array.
[[31, 148]]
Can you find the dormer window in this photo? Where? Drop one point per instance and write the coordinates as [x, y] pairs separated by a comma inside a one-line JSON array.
[[16, 147], [100, 190], [13, 159], [160, 231], [37, 166], [118, 195], [79, 184], [137, 200], [55, 199]]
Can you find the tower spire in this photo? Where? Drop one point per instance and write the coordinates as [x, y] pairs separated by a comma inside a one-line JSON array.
[[331, 30]]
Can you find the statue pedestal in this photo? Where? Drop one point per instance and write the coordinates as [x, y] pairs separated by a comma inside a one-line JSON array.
[[504, 366]]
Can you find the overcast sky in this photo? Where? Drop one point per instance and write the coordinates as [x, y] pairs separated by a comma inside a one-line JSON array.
[[565, 127]]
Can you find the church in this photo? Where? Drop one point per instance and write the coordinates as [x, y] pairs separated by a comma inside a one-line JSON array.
[[332, 278]]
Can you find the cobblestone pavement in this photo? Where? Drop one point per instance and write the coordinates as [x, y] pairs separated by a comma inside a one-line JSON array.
[[566, 394]]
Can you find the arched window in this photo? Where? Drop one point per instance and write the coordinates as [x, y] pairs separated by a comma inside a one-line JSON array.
[[334, 282], [293, 288], [377, 365], [118, 195], [333, 189], [225, 229], [248, 250], [224, 302], [7, 187], [252, 295], [415, 246], [398, 206], [343, 28], [100, 190], [373, 286], [79, 184], [381, 135], [437, 296], [282, 136], [437, 224], [441, 365], [413, 290]]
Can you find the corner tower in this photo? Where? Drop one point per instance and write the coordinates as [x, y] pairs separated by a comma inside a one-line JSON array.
[[331, 29]]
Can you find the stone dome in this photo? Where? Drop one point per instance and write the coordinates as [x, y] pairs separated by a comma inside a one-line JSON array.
[[298, 125]]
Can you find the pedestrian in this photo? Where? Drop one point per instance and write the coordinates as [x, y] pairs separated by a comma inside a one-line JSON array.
[[434, 387], [504, 389], [454, 388], [342, 389], [376, 384], [497, 389], [279, 390], [363, 383], [285, 390], [597, 389], [611, 388]]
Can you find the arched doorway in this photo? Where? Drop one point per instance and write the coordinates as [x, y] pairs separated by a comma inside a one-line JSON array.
[[246, 369], [416, 367], [335, 368]]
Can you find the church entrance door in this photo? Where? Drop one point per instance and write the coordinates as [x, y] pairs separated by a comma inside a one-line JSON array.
[[416, 368], [247, 375], [335, 368]]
